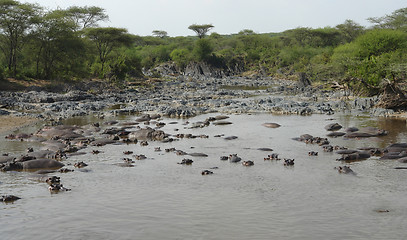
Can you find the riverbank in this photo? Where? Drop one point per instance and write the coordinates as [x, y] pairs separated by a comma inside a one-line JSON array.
[[11, 122]]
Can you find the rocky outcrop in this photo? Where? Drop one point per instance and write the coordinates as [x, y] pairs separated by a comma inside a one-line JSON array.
[[199, 70]]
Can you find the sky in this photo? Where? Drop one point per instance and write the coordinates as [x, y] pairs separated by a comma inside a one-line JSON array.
[[141, 17]]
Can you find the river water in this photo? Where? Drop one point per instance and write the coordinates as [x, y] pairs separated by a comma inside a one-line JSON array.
[[160, 199]]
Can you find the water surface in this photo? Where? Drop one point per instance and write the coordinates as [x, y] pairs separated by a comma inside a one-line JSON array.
[[160, 199]]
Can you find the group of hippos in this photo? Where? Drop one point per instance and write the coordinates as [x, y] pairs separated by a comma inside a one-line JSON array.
[[394, 151], [62, 141]]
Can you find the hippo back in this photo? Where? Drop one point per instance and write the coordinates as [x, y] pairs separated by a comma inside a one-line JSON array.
[[42, 164]]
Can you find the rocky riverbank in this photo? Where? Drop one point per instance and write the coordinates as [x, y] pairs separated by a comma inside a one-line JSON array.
[[186, 97]]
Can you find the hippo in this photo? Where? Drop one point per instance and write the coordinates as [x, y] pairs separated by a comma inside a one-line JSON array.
[[198, 154], [224, 158], [374, 151], [57, 187], [403, 159], [180, 152], [271, 125], [366, 132], [220, 117], [8, 198], [32, 165], [394, 155], [333, 127], [345, 170], [102, 142], [352, 129], [312, 153], [358, 135], [230, 138], [186, 161], [143, 118], [206, 172], [50, 180], [347, 151], [5, 159], [248, 163], [360, 155], [265, 149], [80, 164], [140, 157], [336, 134], [127, 152], [220, 123], [398, 145], [234, 158], [273, 156], [288, 162]]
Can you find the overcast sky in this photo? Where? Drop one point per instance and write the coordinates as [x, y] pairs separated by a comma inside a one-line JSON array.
[[141, 17]]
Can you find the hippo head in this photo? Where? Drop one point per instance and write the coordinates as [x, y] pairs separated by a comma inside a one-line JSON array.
[[11, 166]]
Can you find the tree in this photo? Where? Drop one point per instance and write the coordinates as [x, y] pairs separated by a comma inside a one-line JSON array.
[[57, 42], [350, 30], [85, 17], [16, 20], [201, 30], [397, 20], [246, 32], [160, 33], [106, 39]]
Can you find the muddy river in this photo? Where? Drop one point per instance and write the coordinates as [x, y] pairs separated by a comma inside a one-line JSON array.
[[160, 199]]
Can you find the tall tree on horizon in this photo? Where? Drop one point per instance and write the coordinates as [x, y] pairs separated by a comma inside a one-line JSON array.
[[201, 30]]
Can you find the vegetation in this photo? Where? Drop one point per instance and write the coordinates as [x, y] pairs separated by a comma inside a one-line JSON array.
[[68, 44]]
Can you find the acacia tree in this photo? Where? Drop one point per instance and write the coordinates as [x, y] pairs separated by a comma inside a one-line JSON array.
[[201, 30], [85, 17], [107, 39], [16, 20], [160, 33], [397, 20]]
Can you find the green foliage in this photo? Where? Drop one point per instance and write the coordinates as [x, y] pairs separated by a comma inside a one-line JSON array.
[[203, 50], [68, 44], [372, 57], [181, 57], [377, 42]]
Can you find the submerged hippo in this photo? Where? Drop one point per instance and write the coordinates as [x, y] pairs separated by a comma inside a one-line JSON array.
[[288, 162], [333, 127], [248, 163], [32, 165], [360, 155], [345, 170], [186, 161], [206, 172], [271, 125], [220, 123], [234, 158], [57, 187], [394, 155], [8, 198]]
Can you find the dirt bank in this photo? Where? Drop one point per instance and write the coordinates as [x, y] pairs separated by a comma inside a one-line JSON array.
[[9, 123]]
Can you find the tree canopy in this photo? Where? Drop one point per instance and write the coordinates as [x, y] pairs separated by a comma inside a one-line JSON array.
[[201, 30]]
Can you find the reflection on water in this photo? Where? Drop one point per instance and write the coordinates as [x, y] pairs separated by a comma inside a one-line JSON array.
[[160, 199]]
